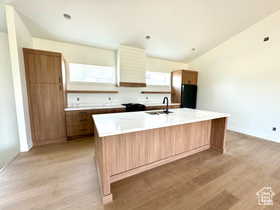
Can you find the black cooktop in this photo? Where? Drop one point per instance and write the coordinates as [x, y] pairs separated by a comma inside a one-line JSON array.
[[133, 107]]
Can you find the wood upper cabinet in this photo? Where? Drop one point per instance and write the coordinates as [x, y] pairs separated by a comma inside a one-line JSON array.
[[189, 77], [176, 83], [45, 96], [179, 78]]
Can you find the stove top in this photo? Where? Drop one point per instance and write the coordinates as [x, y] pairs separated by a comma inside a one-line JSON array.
[[133, 107]]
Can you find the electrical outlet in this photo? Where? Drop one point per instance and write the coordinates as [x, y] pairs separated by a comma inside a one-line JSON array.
[[77, 102]]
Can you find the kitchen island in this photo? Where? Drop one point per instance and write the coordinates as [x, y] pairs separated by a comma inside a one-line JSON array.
[[130, 143]]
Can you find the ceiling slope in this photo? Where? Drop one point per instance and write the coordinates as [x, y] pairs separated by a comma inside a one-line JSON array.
[[175, 27]]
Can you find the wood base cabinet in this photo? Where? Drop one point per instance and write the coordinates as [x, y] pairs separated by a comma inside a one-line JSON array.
[[124, 155], [148, 108], [80, 123]]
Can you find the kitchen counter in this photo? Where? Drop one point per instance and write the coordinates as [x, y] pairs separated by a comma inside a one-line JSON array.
[[120, 123], [112, 106], [79, 119], [132, 142], [78, 108]]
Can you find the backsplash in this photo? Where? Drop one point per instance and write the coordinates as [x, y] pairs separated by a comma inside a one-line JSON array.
[[125, 95]]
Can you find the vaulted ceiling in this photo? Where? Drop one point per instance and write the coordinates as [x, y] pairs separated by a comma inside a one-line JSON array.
[[175, 26]]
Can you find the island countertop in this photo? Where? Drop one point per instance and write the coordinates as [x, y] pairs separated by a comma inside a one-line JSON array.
[[121, 123]]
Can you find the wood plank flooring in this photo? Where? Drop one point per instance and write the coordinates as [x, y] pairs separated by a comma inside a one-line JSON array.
[[63, 177]]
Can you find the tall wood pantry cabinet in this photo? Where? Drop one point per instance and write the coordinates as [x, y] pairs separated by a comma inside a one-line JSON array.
[[179, 78], [43, 71]]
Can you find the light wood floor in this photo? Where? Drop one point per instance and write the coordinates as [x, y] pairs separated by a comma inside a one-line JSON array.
[[64, 177]]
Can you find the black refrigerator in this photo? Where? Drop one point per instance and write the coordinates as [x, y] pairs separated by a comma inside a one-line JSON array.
[[188, 94]]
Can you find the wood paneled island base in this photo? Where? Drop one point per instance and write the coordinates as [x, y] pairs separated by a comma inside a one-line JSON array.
[[123, 155]]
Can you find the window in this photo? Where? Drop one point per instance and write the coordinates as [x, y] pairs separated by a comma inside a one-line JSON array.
[[91, 73], [157, 78]]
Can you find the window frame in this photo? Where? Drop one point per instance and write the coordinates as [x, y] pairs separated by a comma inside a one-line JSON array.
[[89, 84], [164, 86]]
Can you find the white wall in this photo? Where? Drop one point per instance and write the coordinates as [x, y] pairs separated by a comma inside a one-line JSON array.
[[96, 56], [162, 65], [19, 37], [9, 140], [242, 77], [125, 95], [74, 53]]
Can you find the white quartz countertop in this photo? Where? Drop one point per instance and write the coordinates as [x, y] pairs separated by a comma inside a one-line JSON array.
[[127, 122], [110, 106], [94, 107]]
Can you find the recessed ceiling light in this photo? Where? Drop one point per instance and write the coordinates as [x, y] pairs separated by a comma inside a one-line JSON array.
[[266, 39], [67, 16], [148, 37]]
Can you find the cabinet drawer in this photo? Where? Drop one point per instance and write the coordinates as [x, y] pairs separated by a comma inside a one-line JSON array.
[[78, 131], [80, 123], [77, 118]]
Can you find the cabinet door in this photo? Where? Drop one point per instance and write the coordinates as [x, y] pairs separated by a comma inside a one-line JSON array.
[[77, 117], [78, 123], [200, 134], [43, 67], [176, 83], [189, 77], [43, 73], [192, 136], [48, 117]]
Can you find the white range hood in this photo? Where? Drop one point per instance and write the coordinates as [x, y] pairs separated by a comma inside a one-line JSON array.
[[131, 66]]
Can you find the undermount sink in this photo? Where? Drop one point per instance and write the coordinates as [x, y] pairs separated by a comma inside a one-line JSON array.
[[159, 112]]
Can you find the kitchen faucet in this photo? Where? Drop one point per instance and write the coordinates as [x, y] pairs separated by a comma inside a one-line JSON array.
[[166, 109]]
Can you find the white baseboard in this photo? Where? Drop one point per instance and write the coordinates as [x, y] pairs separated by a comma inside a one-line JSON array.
[[27, 148], [30, 147], [250, 134]]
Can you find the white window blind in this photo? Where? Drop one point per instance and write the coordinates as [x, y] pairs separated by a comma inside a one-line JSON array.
[[91, 73], [157, 78]]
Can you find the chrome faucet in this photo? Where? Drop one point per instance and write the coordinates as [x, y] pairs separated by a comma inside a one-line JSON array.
[[166, 109]]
